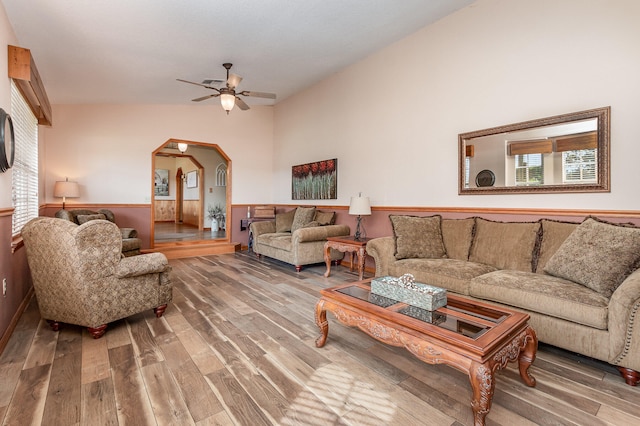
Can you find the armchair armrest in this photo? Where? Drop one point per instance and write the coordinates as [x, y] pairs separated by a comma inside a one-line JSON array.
[[383, 252], [319, 233], [265, 227], [624, 323], [141, 265]]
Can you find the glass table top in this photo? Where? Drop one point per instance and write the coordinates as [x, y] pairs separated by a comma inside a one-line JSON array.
[[472, 321]]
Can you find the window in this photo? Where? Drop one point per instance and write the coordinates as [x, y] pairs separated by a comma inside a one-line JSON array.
[[529, 170], [221, 175], [25, 166], [579, 166]]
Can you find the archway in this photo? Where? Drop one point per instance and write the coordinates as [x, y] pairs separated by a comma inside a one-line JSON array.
[[194, 187]]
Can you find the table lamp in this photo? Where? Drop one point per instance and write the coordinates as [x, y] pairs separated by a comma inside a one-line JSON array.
[[359, 206], [64, 189]]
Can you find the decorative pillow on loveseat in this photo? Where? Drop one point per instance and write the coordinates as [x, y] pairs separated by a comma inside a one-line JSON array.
[[417, 237], [84, 218], [303, 216], [597, 255], [284, 221]]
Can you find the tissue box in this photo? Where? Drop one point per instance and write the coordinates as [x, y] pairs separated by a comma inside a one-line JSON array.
[[423, 295]]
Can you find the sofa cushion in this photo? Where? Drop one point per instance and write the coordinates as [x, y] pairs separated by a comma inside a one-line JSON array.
[[280, 240], [505, 245], [452, 274], [417, 237], [302, 216], [553, 235], [284, 221], [597, 255], [84, 218], [325, 218], [543, 294], [457, 235]]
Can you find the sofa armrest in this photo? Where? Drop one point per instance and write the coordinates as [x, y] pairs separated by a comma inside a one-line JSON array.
[[264, 227], [383, 251], [319, 233], [143, 264], [624, 323], [129, 233]]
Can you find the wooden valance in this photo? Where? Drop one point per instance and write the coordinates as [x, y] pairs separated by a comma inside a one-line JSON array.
[[577, 142], [530, 147], [22, 69], [469, 151]]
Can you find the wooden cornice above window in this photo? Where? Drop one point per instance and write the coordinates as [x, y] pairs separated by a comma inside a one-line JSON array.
[[577, 142], [22, 69], [530, 147]]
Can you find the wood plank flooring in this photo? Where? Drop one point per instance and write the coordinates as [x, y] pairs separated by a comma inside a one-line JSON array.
[[236, 347]]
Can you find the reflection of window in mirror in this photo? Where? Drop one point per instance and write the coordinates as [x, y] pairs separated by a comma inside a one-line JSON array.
[[579, 166], [529, 169]]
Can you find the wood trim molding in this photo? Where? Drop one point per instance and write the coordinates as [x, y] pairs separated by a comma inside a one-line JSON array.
[[22, 69], [14, 320], [481, 210], [6, 211]]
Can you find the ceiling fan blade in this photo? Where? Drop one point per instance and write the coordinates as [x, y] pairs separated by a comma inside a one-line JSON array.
[[233, 81], [197, 84], [258, 94], [205, 97], [241, 104], [209, 82]]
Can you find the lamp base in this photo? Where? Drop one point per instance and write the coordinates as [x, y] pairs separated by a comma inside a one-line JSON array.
[[357, 235]]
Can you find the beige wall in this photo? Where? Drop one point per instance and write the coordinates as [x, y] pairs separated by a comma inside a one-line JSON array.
[[107, 148], [393, 118]]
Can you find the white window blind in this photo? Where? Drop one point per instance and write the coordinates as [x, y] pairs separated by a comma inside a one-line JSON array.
[[529, 169], [25, 166], [580, 166]]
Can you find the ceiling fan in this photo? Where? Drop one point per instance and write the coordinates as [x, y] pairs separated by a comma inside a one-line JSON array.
[[228, 95]]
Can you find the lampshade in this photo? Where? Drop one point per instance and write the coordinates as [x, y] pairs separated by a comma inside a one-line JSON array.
[[66, 189], [360, 206], [228, 101], [182, 147]]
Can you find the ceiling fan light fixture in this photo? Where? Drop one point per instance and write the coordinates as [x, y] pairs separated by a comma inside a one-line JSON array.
[[228, 101], [182, 147]]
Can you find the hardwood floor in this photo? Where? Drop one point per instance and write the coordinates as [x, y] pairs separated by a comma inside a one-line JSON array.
[[236, 347]]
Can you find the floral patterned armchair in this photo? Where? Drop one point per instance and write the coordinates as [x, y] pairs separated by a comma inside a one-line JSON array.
[[80, 276]]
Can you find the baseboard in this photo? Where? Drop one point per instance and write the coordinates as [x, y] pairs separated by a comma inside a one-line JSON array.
[[14, 321]]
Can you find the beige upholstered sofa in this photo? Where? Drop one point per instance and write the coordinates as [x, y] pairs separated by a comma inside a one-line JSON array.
[[297, 236], [578, 282], [80, 276], [130, 241]]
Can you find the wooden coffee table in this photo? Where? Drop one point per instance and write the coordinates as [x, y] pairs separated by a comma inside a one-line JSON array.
[[468, 335]]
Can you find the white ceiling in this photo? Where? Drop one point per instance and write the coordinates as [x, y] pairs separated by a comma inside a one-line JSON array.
[[132, 51]]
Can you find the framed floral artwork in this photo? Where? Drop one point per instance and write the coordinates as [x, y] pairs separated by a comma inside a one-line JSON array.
[[315, 181]]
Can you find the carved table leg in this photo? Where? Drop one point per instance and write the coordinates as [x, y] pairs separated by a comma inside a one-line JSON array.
[[362, 254], [159, 310], [527, 356], [482, 386], [97, 332], [327, 258], [322, 323], [55, 325]]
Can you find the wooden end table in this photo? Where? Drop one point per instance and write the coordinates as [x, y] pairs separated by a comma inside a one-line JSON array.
[[471, 336], [347, 244]]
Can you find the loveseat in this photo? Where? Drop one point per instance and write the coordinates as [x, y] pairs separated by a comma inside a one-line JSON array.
[[579, 282], [130, 241], [298, 236]]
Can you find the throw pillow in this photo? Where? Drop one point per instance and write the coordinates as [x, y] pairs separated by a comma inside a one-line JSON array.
[[284, 221], [303, 216], [597, 255], [325, 218], [84, 218], [457, 235], [312, 224], [417, 237], [554, 233], [504, 245]]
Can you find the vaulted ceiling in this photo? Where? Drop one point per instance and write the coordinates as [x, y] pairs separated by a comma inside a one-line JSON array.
[[124, 51]]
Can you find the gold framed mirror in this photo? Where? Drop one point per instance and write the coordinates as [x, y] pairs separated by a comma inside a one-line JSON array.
[[563, 153]]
